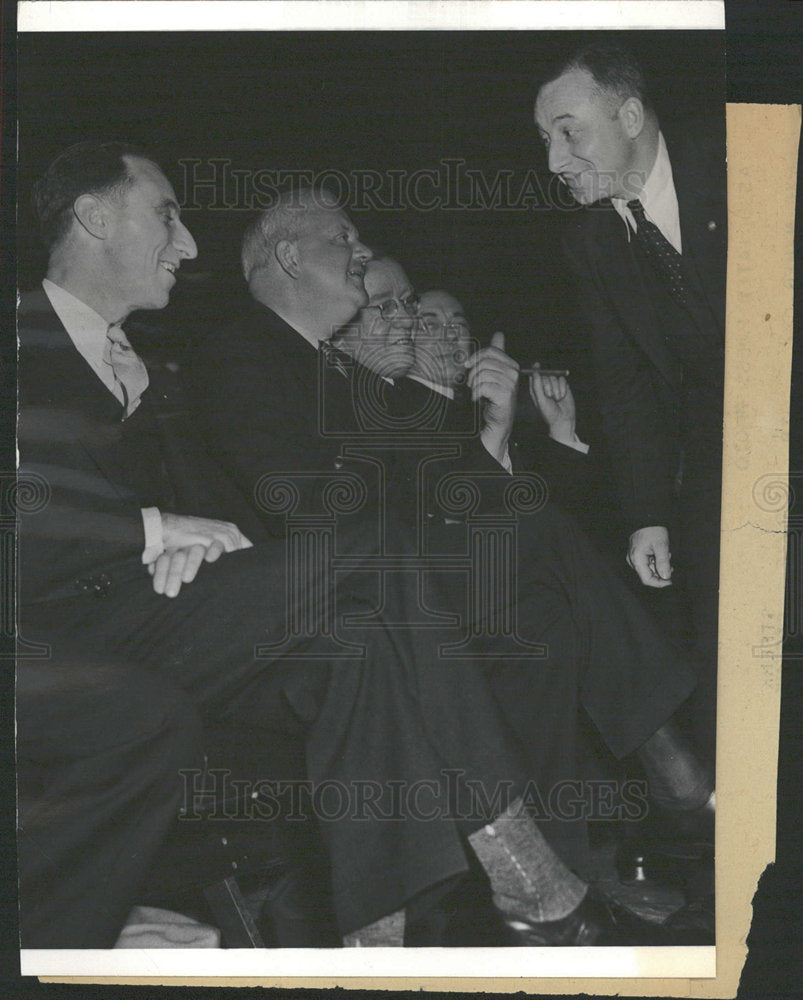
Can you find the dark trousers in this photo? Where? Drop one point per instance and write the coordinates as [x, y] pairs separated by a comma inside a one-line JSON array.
[[406, 749], [99, 750], [603, 656], [377, 723]]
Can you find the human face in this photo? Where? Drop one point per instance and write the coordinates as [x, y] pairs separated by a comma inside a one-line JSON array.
[[147, 240], [589, 140], [332, 264], [386, 345], [443, 342]]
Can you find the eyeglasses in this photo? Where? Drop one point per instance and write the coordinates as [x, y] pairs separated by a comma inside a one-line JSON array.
[[450, 329], [392, 307]]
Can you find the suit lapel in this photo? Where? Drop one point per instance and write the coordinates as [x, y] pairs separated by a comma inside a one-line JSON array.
[[699, 179], [63, 376], [620, 268], [60, 379]]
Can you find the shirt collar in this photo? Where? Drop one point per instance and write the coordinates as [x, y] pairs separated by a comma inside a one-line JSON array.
[[85, 328], [659, 199]]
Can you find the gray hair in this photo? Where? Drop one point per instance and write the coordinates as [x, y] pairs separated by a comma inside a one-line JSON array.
[[286, 219]]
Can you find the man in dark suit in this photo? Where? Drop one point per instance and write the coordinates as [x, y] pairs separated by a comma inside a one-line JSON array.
[[648, 255], [136, 662], [553, 450], [341, 414]]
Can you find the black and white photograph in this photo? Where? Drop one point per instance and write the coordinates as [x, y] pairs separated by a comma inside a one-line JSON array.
[[370, 428]]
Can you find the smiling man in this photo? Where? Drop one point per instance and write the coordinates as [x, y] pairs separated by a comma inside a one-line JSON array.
[[119, 669], [289, 412], [648, 258], [382, 335]]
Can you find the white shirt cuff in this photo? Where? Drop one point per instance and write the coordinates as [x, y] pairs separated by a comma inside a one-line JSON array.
[[575, 443], [505, 462], [154, 543]]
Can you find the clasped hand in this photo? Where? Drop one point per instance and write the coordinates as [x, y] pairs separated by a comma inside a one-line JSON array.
[[188, 542]]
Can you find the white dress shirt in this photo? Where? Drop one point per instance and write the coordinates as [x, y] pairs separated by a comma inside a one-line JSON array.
[[658, 198], [87, 330]]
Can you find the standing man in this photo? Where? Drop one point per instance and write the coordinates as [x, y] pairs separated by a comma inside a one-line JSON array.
[[275, 406], [648, 255], [156, 621]]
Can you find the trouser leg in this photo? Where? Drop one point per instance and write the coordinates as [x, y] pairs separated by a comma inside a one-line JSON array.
[[99, 752]]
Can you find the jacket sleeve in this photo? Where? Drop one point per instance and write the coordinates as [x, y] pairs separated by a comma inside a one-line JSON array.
[[638, 419], [269, 436], [79, 532]]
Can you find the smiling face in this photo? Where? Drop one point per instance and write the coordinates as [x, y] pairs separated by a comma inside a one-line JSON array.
[[385, 345], [443, 342], [147, 240], [591, 137], [332, 262]]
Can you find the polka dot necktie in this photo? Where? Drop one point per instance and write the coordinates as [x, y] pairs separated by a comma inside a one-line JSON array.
[[659, 251]]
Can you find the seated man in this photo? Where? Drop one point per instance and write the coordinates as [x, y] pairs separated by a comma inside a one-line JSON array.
[[151, 621], [602, 650], [442, 346]]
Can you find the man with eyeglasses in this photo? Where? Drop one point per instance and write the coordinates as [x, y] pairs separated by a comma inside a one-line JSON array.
[[289, 410], [444, 343], [446, 393]]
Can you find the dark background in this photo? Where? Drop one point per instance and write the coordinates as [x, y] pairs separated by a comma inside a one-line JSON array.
[[346, 102], [764, 42]]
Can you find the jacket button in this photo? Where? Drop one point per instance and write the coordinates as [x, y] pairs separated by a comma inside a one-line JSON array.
[[711, 226]]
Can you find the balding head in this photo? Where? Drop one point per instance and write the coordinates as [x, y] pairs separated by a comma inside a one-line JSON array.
[[287, 219], [303, 258]]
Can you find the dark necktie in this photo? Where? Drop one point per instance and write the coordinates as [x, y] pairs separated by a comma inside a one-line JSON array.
[[667, 262], [335, 359]]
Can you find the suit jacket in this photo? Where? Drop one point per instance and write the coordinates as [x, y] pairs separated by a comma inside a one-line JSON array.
[[274, 407], [88, 473], [658, 421]]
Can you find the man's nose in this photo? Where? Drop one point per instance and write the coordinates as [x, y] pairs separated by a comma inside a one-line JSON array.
[[362, 253], [184, 243], [404, 321], [559, 155]]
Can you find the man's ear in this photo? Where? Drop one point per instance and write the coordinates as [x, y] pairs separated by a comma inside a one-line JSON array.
[[286, 253], [631, 115], [93, 215]]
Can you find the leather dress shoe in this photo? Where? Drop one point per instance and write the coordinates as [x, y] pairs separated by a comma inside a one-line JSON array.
[[598, 920], [676, 862], [693, 924], [670, 848], [462, 916]]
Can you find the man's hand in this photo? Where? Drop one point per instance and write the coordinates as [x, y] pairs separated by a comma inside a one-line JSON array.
[[188, 542], [554, 401], [650, 557], [493, 377]]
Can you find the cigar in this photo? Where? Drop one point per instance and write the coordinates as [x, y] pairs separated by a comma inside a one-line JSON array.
[[561, 372]]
